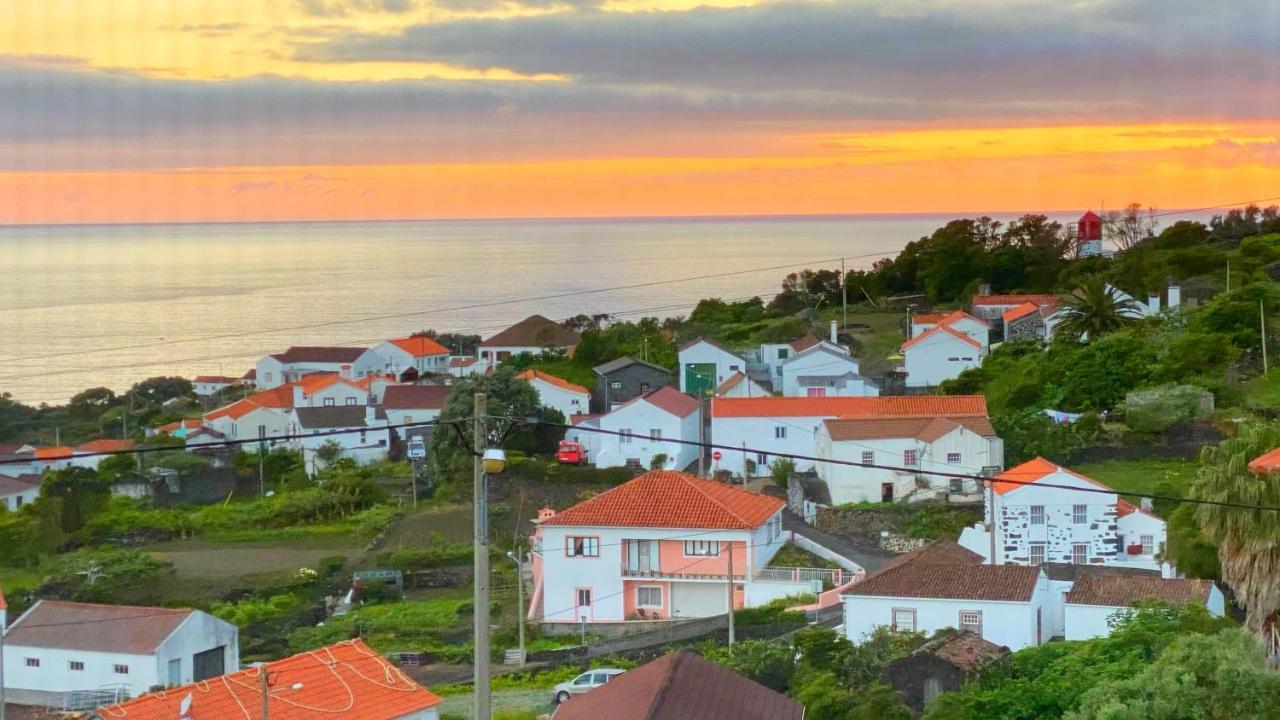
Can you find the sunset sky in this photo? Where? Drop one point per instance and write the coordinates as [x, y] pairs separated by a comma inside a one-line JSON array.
[[199, 110]]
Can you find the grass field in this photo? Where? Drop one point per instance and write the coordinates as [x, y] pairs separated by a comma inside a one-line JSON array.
[[1263, 392], [1141, 476], [516, 703]]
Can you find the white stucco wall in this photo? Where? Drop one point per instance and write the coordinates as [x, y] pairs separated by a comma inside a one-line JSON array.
[[704, 352], [818, 361], [640, 417], [567, 402], [270, 373], [760, 433], [1004, 623], [848, 483], [1059, 531], [14, 501], [198, 633], [581, 433], [940, 357]]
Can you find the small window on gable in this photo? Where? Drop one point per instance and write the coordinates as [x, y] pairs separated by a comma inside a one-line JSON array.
[[76, 665]]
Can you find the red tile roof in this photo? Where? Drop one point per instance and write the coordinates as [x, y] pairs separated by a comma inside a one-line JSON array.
[[344, 681], [420, 346], [320, 354], [671, 400], [1032, 471], [170, 428], [1268, 462], [534, 331], [670, 499], [884, 406], [250, 374], [927, 429], [1124, 590], [105, 445], [90, 627], [531, 375], [462, 361], [937, 329], [681, 686], [20, 484], [1124, 507], [1012, 300], [235, 410], [921, 578], [53, 453], [958, 315], [415, 397], [806, 342], [927, 318], [1020, 311], [729, 384]]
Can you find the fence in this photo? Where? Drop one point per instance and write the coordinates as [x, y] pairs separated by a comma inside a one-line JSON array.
[[826, 576]]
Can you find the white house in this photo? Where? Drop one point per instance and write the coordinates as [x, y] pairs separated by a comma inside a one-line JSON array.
[[298, 362], [410, 357], [940, 353], [635, 430], [344, 681], [407, 404], [465, 366], [18, 491], [92, 453], [916, 446], [209, 385], [773, 355], [246, 419], [739, 385], [1040, 517], [584, 431], [359, 431], [705, 364], [769, 426], [944, 586], [60, 647], [820, 371], [534, 335], [557, 393], [1094, 599], [659, 547]]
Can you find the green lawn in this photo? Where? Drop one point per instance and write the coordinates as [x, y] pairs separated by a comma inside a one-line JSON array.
[[18, 580], [1141, 476], [1263, 392]]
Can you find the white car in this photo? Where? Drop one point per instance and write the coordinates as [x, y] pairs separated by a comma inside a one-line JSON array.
[[588, 680]]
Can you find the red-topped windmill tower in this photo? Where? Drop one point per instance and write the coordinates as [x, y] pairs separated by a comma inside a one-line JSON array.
[[1089, 235]]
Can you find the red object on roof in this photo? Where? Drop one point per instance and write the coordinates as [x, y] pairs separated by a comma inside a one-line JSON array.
[[531, 375], [344, 681], [670, 499], [852, 407], [937, 329], [105, 445], [420, 346], [1032, 471], [1014, 300], [170, 428], [1266, 463], [1020, 311]]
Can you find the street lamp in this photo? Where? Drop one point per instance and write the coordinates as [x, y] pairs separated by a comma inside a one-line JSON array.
[[519, 599], [488, 461]]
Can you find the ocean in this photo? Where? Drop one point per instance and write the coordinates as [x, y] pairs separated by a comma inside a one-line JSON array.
[[108, 305]]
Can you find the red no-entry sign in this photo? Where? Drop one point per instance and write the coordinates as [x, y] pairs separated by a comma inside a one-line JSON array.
[[715, 455]]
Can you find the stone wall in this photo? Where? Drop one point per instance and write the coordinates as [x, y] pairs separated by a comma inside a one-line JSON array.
[[1058, 524]]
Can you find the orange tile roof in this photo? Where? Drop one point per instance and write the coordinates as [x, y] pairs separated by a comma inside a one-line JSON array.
[[344, 681], [1020, 311], [1123, 507], [462, 361], [53, 453], [928, 429], [170, 428], [1266, 463], [531, 375], [281, 396], [940, 328], [729, 384], [670, 499], [957, 315], [927, 318], [105, 445], [852, 407], [1014, 299], [235, 410], [420, 346], [804, 343], [1032, 471]]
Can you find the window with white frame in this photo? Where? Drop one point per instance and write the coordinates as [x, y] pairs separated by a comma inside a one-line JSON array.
[[624, 436], [649, 596], [644, 388], [330, 402], [1080, 553], [904, 619], [615, 385], [268, 377], [351, 401], [584, 597], [971, 620], [1148, 545], [1037, 514], [1037, 553], [75, 665], [1079, 514], [868, 457], [655, 433], [762, 459], [953, 458], [910, 458], [578, 546], [120, 669], [780, 432], [701, 548]]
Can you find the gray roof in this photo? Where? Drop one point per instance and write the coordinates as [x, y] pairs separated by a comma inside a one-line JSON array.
[[95, 628], [338, 416], [619, 363], [19, 484]]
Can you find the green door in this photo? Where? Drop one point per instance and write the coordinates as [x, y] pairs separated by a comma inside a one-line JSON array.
[[699, 378]]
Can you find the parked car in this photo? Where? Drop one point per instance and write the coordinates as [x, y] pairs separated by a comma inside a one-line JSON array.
[[571, 453], [588, 680], [417, 449]]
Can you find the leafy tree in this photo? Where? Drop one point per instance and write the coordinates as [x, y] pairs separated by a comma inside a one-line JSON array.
[[106, 575], [1093, 310], [1248, 540], [1182, 234], [1100, 375], [91, 403], [1199, 677], [75, 494], [1186, 546], [1235, 315], [510, 402], [158, 390], [1130, 226], [770, 664]]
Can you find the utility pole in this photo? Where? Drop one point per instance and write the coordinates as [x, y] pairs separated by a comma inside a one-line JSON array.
[[266, 693], [729, 592], [844, 296], [481, 568], [3, 629], [1228, 276], [702, 436], [518, 557], [1262, 316]]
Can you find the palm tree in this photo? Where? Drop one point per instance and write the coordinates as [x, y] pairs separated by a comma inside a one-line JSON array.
[[1095, 309], [1248, 540]]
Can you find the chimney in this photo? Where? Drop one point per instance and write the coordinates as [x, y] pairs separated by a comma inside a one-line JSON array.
[[834, 333], [370, 414], [1153, 303], [984, 289], [299, 397], [546, 514], [1175, 294], [1145, 504], [345, 372]]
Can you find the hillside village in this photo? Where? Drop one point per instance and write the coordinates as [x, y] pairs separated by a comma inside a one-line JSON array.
[[1017, 455]]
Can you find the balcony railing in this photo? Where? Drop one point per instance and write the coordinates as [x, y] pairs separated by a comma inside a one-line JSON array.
[[681, 575], [827, 576]]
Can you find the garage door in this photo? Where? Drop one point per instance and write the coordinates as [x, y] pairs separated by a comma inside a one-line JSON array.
[[697, 599]]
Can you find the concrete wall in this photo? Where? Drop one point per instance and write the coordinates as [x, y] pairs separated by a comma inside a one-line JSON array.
[[760, 433], [1003, 623], [849, 483], [640, 418], [704, 352], [200, 632], [555, 397], [818, 361], [940, 357]]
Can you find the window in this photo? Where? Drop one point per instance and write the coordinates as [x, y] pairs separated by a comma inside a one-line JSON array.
[[120, 669], [584, 597], [761, 459], [868, 457], [968, 359], [615, 385], [76, 665], [1037, 514], [649, 597], [957, 485], [17, 502], [953, 458], [780, 432], [624, 436], [655, 433], [1079, 514], [953, 359], [575, 546], [644, 387], [33, 662], [733, 368], [408, 419], [351, 401], [364, 437], [1037, 553], [1080, 553], [782, 353], [1148, 545], [329, 402], [904, 619], [701, 548], [909, 458], [268, 377], [584, 678], [971, 620]]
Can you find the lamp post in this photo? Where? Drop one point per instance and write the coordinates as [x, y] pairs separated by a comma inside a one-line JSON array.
[[519, 599], [489, 461]]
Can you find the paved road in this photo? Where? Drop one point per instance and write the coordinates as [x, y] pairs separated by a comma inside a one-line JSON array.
[[869, 560]]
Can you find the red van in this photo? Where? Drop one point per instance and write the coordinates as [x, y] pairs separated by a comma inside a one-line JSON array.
[[571, 453]]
